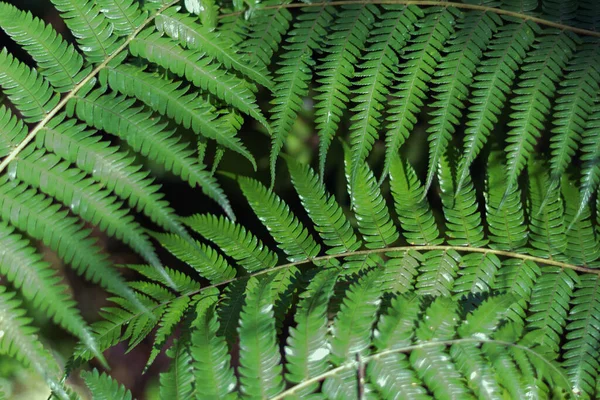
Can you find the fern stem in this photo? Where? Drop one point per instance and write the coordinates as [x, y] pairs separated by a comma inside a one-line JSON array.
[[477, 7], [40, 125], [366, 359]]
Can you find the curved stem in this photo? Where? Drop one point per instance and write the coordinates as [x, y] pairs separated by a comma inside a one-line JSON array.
[[366, 359], [438, 3], [40, 125]]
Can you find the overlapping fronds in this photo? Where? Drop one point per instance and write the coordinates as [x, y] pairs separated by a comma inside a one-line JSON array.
[[484, 286], [381, 296]]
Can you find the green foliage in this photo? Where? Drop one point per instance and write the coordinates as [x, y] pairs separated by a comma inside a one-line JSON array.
[[470, 273]]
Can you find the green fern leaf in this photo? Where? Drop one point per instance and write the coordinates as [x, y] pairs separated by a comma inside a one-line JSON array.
[[43, 220], [490, 86], [112, 168], [264, 32], [326, 214], [547, 230], [179, 103], [260, 369], [29, 92], [124, 15], [147, 136], [352, 330], [197, 37], [294, 74], [463, 220], [392, 374], [92, 29], [234, 240], [173, 314], [202, 71], [276, 216], [103, 387], [471, 362], [420, 58], [582, 246], [583, 337], [432, 363], [453, 75], [84, 197], [341, 49], [373, 76], [541, 71], [504, 214], [58, 61], [212, 363], [517, 277], [204, 259], [307, 349], [590, 170], [39, 283], [18, 340], [573, 106], [373, 219], [416, 219], [549, 305], [177, 382]]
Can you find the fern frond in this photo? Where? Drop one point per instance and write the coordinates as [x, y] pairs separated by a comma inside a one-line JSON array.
[[260, 370], [326, 214], [420, 58], [58, 61], [205, 260], [124, 15], [432, 364], [392, 374], [179, 103], [43, 220], [234, 240], [84, 197], [505, 216], [294, 74], [453, 75], [38, 282], [18, 340], [463, 220], [264, 32], [373, 219], [341, 48], [490, 86], [112, 168], [547, 229], [549, 305], [573, 107], [194, 36], [26, 89], [104, 387], [178, 382], [92, 29], [148, 136], [276, 216], [212, 363], [352, 330], [583, 337], [202, 71], [582, 244], [541, 71], [307, 350], [590, 170], [416, 219]]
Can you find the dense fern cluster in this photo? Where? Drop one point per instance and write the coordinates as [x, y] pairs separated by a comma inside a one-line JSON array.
[[495, 296]]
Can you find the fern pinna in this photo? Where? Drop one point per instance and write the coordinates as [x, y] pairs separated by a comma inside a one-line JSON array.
[[493, 296]]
